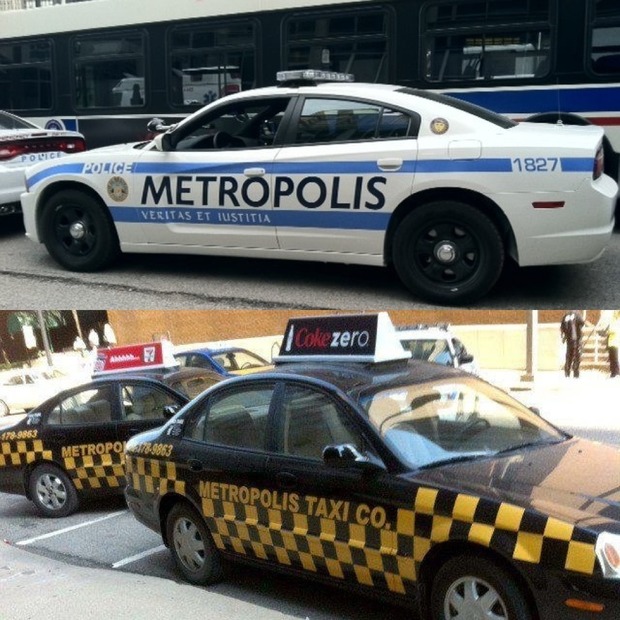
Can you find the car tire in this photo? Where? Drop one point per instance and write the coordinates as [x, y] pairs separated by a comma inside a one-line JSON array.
[[448, 252], [476, 587], [192, 547], [52, 492], [78, 233]]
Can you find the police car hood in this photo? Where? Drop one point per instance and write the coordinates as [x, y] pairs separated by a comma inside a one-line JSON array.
[[575, 480], [118, 148]]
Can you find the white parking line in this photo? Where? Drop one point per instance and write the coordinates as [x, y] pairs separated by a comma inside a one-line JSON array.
[[138, 556], [29, 541]]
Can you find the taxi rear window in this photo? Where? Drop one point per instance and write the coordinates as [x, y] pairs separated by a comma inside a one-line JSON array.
[[497, 119]]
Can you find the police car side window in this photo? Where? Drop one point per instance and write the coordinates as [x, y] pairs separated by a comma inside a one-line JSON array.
[[242, 124], [236, 418], [336, 120], [94, 406], [311, 420]]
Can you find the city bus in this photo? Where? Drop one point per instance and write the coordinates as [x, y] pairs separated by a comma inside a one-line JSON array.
[[106, 67]]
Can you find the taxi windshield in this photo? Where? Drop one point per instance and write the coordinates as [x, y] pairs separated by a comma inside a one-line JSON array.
[[453, 419]]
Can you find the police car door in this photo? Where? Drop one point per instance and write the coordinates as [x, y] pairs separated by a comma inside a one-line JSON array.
[[210, 185], [345, 166], [335, 521]]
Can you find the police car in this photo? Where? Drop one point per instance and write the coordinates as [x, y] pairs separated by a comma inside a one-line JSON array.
[[436, 343], [337, 171], [71, 446], [352, 464], [23, 144]]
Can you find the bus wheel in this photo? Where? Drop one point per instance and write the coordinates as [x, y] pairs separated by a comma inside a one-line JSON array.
[[192, 547], [448, 252], [52, 491], [473, 587], [77, 232]]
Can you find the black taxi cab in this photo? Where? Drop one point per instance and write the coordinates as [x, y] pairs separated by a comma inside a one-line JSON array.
[[408, 480], [71, 446]]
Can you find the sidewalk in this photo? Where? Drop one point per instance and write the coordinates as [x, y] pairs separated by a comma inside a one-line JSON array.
[[33, 587], [588, 402]]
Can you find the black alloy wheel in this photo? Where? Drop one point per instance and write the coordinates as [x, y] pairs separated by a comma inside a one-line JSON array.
[[78, 233], [448, 252]]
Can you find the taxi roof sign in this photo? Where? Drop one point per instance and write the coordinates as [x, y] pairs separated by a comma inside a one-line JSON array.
[[344, 338], [134, 358]]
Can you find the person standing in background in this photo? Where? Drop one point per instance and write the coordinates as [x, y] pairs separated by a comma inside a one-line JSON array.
[[612, 344], [571, 331]]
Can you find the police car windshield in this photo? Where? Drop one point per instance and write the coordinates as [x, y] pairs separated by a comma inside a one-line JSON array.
[[453, 418], [497, 119]]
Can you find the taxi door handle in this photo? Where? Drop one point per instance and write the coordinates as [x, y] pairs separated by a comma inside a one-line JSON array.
[[195, 465], [254, 172], [391, 163], [286, 480]]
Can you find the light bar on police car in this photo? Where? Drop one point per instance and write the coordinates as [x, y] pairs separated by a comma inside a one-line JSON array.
[[314, 74], [344, 338]]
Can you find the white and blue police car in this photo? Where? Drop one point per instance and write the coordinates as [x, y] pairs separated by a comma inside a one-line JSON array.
[[322, 168]]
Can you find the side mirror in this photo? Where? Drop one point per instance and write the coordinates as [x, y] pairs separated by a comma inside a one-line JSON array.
[[170, 410], [535, 410], [466, 358], [347, 455], [156, 125], [163, 142]]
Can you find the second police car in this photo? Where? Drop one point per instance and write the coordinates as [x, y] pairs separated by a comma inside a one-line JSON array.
[[351, 464], [368, 174]]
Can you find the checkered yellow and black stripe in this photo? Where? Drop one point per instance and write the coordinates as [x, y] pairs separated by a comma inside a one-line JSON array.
[[387, 557], [525, 535], [22, 452], [341, 549], [102, 471], [151, 475]]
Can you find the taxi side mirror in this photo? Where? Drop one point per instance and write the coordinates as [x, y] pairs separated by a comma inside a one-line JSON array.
[[170, 410], [347, 455], [466, 358]]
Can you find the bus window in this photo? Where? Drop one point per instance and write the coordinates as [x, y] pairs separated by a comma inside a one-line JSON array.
[[26, 75], [480, 50], [202, 71], [109, 70], [605, 40], [348, 42]]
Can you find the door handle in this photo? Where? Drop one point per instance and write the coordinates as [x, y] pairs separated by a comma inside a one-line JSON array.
[[195, 465], [390, 164], [286, 480], [254, 172]]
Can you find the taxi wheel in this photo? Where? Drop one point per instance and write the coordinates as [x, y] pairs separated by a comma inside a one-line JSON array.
[[192, 547], [52, 492], [77, 232], [474, 587], [448, 252]]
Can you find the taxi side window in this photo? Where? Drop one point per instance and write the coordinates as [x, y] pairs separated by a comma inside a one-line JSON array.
[[335, 120], [144, 402], [237, 419], [94, 406], [310, 420]]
